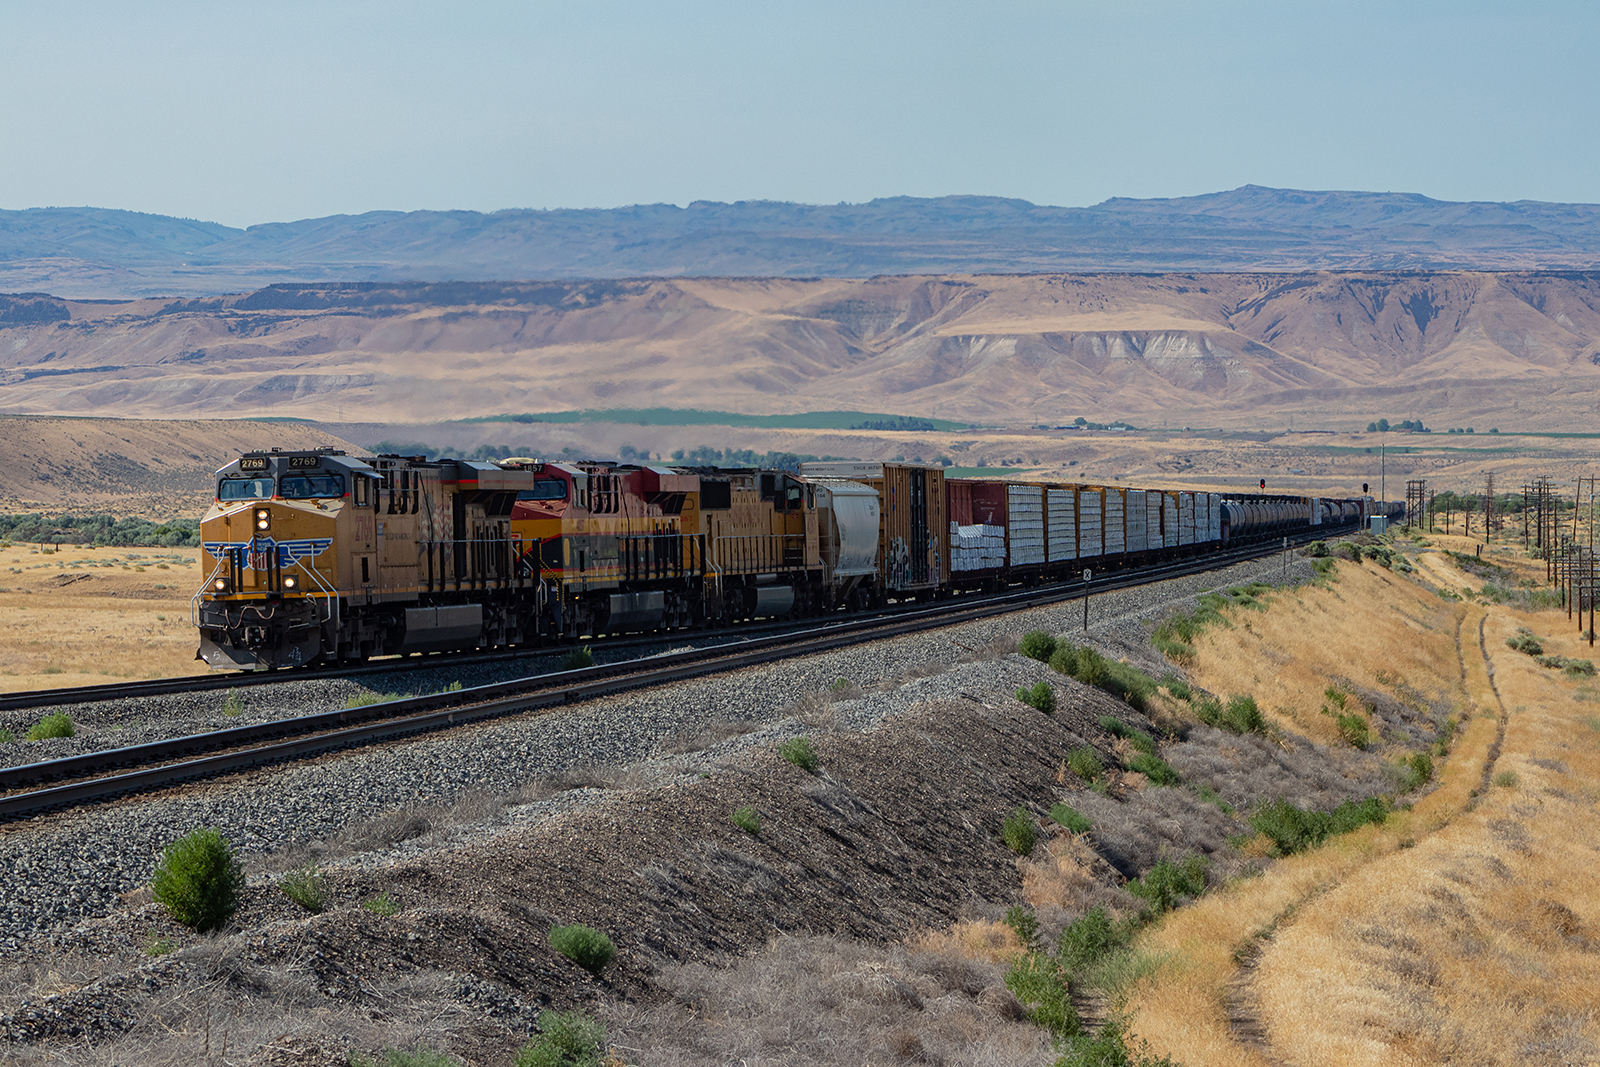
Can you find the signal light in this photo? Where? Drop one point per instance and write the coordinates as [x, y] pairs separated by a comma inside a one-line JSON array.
[[263, 519], [290, 582], [221, 585]]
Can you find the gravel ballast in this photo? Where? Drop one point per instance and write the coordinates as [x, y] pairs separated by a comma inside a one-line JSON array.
[[64, 868]]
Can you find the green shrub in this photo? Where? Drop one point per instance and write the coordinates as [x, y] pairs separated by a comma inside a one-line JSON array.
[[1039, 983], [1089, 938], [566, 1039], [6, 737], [1082, 663], [1165, 885], [1176, 633], [1382, 555], [1412, 772], [1350, 551], [1506, 779], [1025, 924], [1294, 829], [1525, 641], [1325, 568], [1138, 738], [1071, 818], [57, 725], [748, 819], [232, 705], [198, 880], [1176, 651], [585, 946], [1091, 668], [841, 685], [382, 904], [1354, 730], [1248, 596], [1240, 715], [1085, 764], [1036, 644], [578, 659], [1108, 1048], [1018, 832], [1317, 549], [1574, 668], [304, 886], [800, 752], [1158, 770], [1041, 696], [1177, 687]]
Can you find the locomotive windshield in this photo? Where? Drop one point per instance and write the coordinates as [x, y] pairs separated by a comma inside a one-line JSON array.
[[545, 489], [307, 486], [244, 489]]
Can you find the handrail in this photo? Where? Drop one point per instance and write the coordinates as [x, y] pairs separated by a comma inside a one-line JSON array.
[[194, 601]]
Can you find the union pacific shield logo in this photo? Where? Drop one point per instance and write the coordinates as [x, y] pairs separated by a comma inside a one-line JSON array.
[[258, 550]]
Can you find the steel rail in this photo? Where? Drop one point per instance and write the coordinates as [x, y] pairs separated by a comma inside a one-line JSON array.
[[200, 683], [392, 719]]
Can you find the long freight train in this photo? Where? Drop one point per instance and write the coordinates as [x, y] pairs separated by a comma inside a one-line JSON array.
[[322, 557]]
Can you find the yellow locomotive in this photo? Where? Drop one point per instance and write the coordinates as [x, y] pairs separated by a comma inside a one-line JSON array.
[[322, 557]]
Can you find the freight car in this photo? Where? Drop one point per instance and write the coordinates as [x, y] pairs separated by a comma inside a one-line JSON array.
[[321, 557]]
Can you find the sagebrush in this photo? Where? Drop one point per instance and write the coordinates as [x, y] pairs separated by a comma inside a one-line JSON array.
[[800, 752], [199, 880], [566, 1039], [1018, 832], [52, 726], [585, 946]]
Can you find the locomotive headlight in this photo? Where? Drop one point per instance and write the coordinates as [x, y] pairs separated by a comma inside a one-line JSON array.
[[263, 519], [291, 582], [221, 585]]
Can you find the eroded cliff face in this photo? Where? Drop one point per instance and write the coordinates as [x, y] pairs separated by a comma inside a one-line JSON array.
[[1221, 350]]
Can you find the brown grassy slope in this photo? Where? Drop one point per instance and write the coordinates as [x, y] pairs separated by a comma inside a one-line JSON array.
[[158, 469], [1483, 949], [1461, 930], [1226, 350]]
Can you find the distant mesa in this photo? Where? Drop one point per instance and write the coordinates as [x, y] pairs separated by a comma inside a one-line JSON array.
[[103, 253]]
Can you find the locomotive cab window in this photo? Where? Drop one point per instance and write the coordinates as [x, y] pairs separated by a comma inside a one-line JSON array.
[[311, 486], [545, 489], [244, 489], [363, 492]]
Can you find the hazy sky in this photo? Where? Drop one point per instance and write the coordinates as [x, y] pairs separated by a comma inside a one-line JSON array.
[[278, 110]]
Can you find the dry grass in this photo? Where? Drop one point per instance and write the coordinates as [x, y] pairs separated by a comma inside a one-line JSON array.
[[1462, 930], [825, 1001], [987, 940], [1485, 950], [217, 1008], [128, 619], [1287, 656]]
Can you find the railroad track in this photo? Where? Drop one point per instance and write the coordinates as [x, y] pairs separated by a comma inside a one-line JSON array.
[[200, 683], [178, 760]]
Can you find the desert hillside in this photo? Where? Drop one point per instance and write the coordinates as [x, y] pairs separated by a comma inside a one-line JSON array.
[[95, 252], [1317, 350], [158, 469]]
